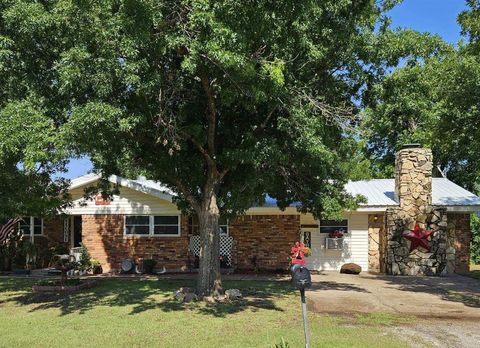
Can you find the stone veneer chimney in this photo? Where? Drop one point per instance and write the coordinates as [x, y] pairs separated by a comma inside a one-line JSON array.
[[413, 189], [413, 180]]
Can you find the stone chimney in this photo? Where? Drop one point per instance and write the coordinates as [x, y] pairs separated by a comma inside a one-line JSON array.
[[413, 180]]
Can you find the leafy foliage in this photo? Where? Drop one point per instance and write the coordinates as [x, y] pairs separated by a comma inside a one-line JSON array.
[[432, 101], [475, 244]]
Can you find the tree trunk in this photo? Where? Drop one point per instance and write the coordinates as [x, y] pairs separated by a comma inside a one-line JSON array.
[[209, 279]]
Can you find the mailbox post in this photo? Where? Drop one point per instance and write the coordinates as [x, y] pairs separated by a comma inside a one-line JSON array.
[[302, 279]]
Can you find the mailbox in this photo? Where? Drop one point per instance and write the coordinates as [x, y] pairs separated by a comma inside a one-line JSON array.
[[301, 277]]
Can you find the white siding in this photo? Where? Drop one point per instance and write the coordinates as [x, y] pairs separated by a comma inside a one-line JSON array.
[[355, 249], [128, 202]]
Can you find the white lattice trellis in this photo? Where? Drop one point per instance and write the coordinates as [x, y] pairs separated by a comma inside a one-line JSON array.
[[226, 245], [66, 229]]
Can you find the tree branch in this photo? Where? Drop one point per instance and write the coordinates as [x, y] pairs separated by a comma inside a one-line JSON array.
[[211, 115]]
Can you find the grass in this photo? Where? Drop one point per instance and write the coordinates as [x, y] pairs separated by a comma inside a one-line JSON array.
[[142, 313], [474, 271]]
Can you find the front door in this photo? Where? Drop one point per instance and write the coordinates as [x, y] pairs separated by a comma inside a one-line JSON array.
[[77, 231]]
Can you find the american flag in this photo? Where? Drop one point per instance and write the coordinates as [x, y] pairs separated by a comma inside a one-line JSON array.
[[7, 228]]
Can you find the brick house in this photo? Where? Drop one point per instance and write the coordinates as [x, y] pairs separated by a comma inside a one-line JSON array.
[[142, 222]]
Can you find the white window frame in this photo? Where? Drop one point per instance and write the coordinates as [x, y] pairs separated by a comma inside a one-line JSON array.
[[32, 227], [228, 228], [227, 225], [348, 227], [151, 226]]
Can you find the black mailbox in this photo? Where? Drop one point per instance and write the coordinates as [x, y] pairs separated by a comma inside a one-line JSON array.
[[301, 277]]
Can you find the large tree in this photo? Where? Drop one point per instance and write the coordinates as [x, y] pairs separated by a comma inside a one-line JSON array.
[[434, 101], [222, 101]]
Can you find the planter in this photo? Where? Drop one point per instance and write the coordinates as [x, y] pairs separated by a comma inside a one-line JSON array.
[[149, 266], [64, 288]]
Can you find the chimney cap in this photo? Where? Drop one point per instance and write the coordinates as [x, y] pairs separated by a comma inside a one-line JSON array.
[[411, 146]]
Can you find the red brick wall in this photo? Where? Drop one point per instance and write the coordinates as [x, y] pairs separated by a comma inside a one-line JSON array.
[[103, 236], [269, 238], [53, 229], [463, 236]]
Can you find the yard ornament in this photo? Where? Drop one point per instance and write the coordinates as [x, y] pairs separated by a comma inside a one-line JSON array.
[[299, 252], [418, 237]]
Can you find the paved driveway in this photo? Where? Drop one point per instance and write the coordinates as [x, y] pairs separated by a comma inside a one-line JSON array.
[[454, 297]]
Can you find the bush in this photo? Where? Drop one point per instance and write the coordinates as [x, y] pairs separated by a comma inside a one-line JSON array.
[[149, 265], [96, 267], [475, 245], [85, 259]]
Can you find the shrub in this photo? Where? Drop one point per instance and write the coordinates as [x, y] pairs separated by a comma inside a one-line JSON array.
[[96, 267], [475, 245], [85, 259], [149, 265]]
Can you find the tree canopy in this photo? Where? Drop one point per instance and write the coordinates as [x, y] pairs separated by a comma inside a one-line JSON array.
[[433, 101], [224, 102]]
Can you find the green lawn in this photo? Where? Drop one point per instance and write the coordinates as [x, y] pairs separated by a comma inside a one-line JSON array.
[[474, 271], [141, 313]]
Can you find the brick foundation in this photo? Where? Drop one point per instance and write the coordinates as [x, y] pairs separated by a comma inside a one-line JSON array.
[[103, 236]]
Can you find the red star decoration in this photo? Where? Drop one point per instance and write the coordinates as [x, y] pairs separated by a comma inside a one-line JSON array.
[[418, 237]]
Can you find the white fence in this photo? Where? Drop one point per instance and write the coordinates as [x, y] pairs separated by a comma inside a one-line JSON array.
[[226, 246]]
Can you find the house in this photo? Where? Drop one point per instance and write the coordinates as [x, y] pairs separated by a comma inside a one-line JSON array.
[[142, 222]]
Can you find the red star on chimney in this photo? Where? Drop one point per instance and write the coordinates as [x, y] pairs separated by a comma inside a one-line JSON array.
[[418, 237]]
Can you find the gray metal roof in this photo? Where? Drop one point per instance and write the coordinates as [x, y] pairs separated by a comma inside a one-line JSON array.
[[381, 193]]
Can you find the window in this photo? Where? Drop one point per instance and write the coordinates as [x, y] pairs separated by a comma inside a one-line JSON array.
[[193, 228], [329, 226], [31, 223], [223, 226], [161, 225], [166, 225], [137, 225]]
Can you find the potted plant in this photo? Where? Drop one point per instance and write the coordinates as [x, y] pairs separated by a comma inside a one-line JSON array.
[[149, 265], [336, 234], [96, 267], [299, 252]]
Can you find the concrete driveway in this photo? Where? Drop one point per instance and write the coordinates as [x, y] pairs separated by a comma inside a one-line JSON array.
[[454, 297]]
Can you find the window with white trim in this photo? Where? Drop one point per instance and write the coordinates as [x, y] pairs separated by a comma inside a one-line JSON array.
[[166, 225], [149, 225], [193, 227], [329, 226], [29, 224], [137, 224], [223, 225]]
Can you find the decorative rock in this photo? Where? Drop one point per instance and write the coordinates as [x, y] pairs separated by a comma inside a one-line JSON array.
[[209, 299], [190, 296], [179, 296], [233, 294], [395, 269], [350, 268], [185, 294]]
